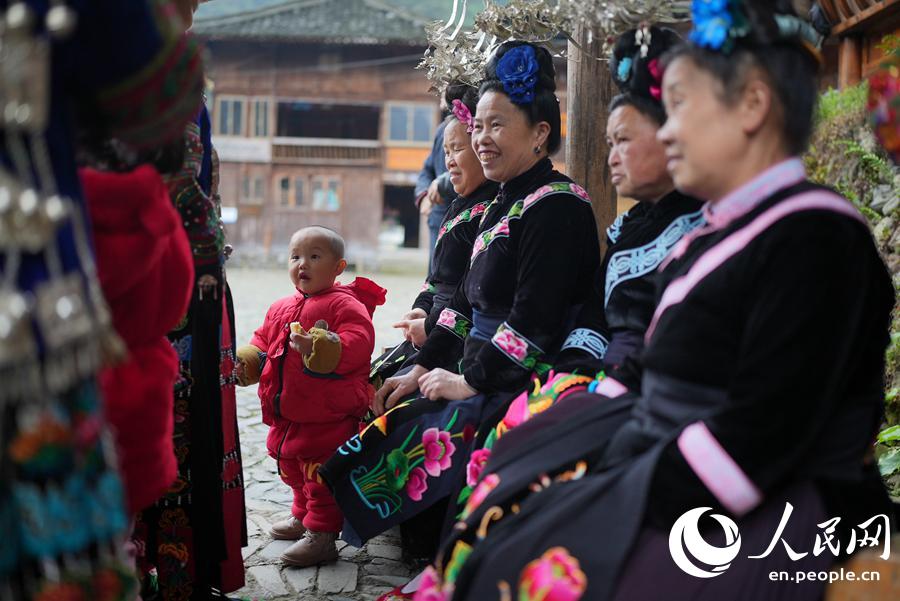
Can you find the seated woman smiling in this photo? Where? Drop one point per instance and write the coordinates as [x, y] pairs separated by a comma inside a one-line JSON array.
[[530, 268]]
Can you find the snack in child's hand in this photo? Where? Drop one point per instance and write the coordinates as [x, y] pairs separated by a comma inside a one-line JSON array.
[[296, 328]]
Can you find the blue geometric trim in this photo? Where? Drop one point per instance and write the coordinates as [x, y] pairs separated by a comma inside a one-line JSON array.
[[635, 262], [615, 230], [587, 340]]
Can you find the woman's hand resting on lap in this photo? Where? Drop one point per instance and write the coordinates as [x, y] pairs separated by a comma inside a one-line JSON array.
[[440, 384], [394, 389]]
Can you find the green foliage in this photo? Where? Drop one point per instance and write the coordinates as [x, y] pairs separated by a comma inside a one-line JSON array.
[[840, 104], [889, 463], [889, 43], [891, 434], [843, 154]]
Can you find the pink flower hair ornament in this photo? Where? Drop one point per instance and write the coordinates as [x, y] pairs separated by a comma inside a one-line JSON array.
[[656, 72], [462, 112]]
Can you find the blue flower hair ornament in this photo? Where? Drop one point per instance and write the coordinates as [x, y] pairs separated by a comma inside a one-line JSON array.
[[517, 70], [717, 24], [624, 69]]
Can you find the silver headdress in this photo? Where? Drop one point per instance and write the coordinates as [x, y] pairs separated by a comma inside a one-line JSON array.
[[456, 55]]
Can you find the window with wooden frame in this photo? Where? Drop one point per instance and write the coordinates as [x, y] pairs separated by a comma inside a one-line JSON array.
[[230, 116], [410, 123], [284, 191], [326, 193], [300, 199], [260, 118]]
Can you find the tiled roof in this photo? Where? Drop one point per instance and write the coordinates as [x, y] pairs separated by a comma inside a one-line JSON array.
[[336, 21]]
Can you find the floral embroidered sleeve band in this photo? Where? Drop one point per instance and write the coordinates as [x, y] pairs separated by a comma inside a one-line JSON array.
[[455, 323], [516, 347]]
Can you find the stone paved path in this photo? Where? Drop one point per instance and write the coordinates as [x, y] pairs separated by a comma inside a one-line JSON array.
[[360, 574]]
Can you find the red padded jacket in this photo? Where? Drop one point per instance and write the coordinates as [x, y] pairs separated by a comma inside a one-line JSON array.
[[287, 389]]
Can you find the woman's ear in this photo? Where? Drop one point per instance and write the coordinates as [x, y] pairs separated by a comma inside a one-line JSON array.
[[756, 104], [542, 132]]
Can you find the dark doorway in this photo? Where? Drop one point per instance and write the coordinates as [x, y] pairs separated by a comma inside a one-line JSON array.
[[400, 209]]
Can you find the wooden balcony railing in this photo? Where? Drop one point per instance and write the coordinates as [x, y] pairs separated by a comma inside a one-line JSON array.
[[847, 15], [325, 152]]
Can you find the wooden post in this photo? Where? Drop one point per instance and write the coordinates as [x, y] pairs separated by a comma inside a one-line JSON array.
[[590, 90], [849, 62]]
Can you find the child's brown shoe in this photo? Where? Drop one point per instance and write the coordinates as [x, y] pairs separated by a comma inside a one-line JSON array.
[[289, 529], [314, 548]]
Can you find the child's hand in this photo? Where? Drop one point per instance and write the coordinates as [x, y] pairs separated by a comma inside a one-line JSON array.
[[239, 369], [302, 343]]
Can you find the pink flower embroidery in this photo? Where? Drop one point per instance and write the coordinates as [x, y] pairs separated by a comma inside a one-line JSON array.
[[502, 228], [531, 198], [478, 246], [484, 488], [438, 451], [554, 576], [512, 345], [447, 319], [417, 484], [476, 465], [430, 587], [518, 410], [580, 191]]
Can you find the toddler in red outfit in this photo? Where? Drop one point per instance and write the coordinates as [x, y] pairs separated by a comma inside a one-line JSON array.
[[311, 359]]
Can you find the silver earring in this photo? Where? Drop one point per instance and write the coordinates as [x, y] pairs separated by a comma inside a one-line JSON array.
[[537, 150]]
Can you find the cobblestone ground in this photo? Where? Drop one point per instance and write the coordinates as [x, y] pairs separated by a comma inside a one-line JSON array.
[[360, 574]]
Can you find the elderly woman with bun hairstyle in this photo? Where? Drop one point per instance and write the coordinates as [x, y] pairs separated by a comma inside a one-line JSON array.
[[471, 193], [611, 327], [530, 268], [748, 450]]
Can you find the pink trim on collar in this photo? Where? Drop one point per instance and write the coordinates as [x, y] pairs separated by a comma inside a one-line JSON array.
[[747, 197], [713, 258], [717, 470], [742, 201]]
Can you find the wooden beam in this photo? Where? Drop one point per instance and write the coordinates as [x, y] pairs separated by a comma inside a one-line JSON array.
[[850, 62], [867, 17], [590, 90]]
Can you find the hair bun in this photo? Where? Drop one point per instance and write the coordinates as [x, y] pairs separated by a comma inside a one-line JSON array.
[[462, 92], [635, 59], [546, 75]]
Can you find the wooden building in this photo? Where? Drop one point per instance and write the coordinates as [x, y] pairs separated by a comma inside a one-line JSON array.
[[319, 117], [858, 27]]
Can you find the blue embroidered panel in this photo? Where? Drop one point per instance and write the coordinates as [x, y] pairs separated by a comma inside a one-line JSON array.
[[615, 230], [635, 262], [587, 340]]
